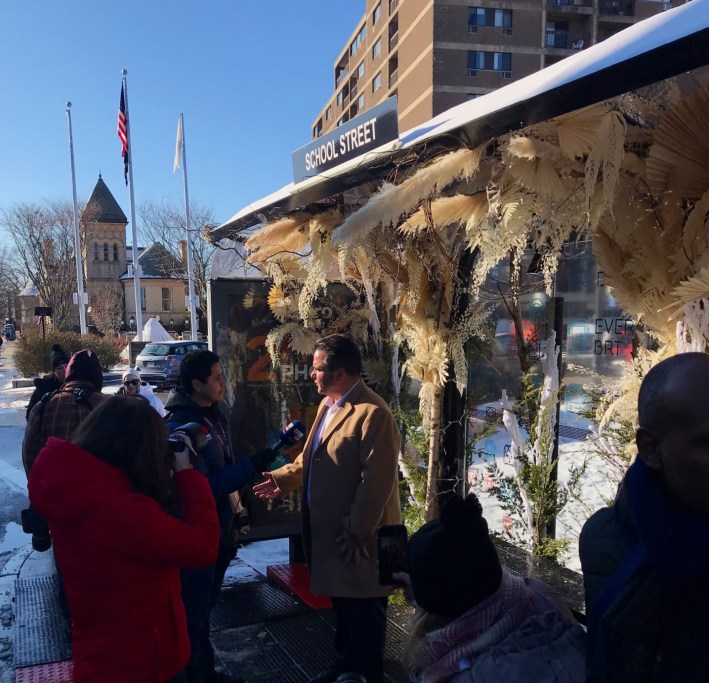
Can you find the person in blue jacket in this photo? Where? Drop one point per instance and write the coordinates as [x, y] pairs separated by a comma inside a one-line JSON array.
[[199, 397]]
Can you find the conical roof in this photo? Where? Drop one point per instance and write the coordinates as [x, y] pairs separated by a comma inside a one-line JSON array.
[[102, 206]]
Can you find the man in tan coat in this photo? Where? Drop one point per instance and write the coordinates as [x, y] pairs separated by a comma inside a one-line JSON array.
[[349, 473]]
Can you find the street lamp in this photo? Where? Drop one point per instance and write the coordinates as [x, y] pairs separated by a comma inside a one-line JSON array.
[[187, 323], [172, 324], [131, 322]]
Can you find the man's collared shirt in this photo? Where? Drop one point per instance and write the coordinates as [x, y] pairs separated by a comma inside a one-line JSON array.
[[331, 408]]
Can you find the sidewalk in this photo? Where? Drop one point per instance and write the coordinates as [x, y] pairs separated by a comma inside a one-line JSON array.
[[260, 631]]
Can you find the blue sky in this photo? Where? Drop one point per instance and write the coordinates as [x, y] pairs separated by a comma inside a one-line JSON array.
[[249, 77]]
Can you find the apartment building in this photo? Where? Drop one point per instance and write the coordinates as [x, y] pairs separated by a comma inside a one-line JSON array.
[[434, 54]]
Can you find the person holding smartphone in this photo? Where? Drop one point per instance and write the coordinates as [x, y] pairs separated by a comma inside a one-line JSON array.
[[349, 473]]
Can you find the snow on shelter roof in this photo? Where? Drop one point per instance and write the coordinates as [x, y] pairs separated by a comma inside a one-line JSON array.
[[662, 46]]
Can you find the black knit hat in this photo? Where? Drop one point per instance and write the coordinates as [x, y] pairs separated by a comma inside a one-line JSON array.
[[58, 356], [453, 563], [84, 366]]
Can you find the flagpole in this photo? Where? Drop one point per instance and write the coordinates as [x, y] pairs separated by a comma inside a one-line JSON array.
[[134, 238], [77, 237], [190, 268]]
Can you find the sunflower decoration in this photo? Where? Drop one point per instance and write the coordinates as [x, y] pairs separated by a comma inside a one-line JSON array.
[[279, 303]]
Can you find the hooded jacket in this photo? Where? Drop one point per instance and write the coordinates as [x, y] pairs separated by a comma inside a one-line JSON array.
[[146, 391], [119, 553]]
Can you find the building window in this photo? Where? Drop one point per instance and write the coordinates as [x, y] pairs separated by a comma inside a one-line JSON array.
[[166, 299], [489, 61], [115, 252], [105, 251], [360, 70], [377, 49], [360, 102], [359, 39], [339, 98], [481, 16], [377, 14], [377, 82], [96, 257], [328, 113], [340, 121], [317, 129], [142, 299]]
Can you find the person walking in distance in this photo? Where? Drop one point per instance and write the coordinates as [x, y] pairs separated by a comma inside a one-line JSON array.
[[349, 473], [51, 381]]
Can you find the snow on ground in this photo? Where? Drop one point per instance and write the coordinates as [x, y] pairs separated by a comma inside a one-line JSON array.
[[595, 487]]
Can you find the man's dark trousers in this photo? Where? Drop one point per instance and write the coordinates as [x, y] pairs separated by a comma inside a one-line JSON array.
[[360, 636]]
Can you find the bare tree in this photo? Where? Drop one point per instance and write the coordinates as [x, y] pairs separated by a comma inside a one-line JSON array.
[[11, 281], [106, 310], [44, 243], [166, 224]]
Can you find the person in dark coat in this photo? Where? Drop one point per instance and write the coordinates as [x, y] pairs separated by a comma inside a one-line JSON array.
[[63, 412], [111, 500], [199, 397], [645, 560], [51, 381]]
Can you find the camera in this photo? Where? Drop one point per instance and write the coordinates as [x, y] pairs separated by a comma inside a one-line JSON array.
[[194, 431], [33, 523]]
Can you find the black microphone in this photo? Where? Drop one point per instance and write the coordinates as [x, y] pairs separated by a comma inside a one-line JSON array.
[[268, 459]]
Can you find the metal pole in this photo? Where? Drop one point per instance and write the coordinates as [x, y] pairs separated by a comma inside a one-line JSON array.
[[77, 237], [136, 268], [190, 268]]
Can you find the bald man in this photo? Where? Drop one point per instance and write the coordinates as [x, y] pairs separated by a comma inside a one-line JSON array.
[[646, 559]]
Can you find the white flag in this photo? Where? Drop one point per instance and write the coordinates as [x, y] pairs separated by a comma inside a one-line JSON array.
[[178, 146]]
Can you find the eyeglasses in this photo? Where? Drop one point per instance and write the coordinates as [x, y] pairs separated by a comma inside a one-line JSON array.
[[131, 383]]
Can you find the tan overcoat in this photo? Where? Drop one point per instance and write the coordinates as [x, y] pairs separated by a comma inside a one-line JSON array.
[[353, 487]]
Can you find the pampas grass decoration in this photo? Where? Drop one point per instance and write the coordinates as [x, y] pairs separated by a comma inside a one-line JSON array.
[[394, 201]]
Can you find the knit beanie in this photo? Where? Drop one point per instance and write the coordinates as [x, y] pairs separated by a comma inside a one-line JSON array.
[[85, 367], [58, 356], [452, 561], [131, 372]]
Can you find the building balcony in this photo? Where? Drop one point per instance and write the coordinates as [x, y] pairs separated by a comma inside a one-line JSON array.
[[393, 41], [565, 40], [393, 78], [341, 77], [553, 4], [617, 8], [393, 4]]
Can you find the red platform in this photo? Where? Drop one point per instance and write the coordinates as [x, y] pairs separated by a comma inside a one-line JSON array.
[[296, 579], [56, 672]]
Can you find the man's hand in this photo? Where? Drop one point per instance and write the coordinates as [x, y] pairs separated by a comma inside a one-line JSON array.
[[268, 489], [182, 460], [352, 549]]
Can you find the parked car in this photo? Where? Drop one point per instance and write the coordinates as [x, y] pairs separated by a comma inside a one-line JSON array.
[[159, 362]]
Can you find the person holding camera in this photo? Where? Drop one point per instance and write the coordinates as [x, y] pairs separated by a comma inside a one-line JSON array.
[[126, 514], [349, 474], [199, 398]]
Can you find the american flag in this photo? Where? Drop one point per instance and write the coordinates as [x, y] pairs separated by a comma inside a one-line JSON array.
[[122, 133]]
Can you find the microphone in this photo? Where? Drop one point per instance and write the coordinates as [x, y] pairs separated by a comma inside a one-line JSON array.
[[269, 459]]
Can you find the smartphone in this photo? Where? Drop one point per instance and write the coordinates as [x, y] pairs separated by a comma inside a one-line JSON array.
[[391, 550]]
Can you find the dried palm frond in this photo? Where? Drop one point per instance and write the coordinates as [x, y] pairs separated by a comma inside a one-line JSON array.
[[681, 147], [460, 208], [537, 175], [577, 130], [393, 201], [530, 148], [692, 289], [605, 159]]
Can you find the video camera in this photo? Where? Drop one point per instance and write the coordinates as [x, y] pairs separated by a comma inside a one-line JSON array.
[[195, 433], [33, 523]]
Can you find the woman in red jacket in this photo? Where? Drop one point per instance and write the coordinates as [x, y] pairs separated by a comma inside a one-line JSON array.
[[123, 526]]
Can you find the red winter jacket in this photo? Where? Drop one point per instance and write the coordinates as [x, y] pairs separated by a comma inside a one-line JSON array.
[[119, 554]]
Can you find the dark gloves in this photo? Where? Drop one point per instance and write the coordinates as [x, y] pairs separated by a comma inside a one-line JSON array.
[[262, 459]]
